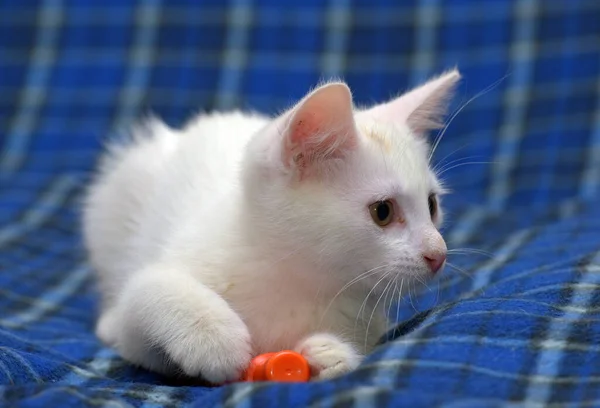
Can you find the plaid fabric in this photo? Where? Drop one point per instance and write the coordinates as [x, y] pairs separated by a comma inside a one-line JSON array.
[[520, 326]]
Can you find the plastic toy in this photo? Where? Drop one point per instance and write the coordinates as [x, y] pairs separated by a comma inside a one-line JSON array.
[[284, 366]]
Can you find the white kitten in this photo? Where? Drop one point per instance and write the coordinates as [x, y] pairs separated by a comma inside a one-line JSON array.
[[242, 234]]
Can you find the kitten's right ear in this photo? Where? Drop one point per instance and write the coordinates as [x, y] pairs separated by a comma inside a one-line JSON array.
[[320, 127], [423, 108]]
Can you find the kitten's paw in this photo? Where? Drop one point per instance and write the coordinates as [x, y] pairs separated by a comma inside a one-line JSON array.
[[218, 353], [107, 327], [328, 356]]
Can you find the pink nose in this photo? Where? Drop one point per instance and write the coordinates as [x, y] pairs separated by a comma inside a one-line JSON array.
[[435, 261]]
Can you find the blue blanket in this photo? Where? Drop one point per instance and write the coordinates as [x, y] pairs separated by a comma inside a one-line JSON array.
[[515, 322]]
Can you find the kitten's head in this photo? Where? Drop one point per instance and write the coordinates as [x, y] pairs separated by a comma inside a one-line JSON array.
[[350, 190]]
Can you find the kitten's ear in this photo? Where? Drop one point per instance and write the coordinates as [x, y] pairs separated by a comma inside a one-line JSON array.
[[319, 127], [422, 108]]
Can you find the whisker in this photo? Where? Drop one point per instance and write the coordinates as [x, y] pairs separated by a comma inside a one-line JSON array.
[[441, 162], [399, 300], [465, 164], [392, 298], [423, 282], [442, 169], [471, 252], [360, 277], [437, 294], [410, 297], [373, 312], [462, 271], [362, 306], [385, 299], [477, 95], [387, 336], [474, 250]]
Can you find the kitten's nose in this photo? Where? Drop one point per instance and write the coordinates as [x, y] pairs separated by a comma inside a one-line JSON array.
[[435, 260], [434, 250]]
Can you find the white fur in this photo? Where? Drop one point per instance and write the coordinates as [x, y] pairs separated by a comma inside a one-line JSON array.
[[236, 234]]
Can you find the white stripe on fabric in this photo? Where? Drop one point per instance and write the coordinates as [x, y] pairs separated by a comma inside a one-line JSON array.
[[590, 182], [139, 63], [549, 360], [513, 123], [484, 274], [73, 281], [33, 95], [239, 18], [43, 208], [466, 226], [159, 397], [423, 58], [392, 366], [98, 367], [359, 396], [337, 22], [240, 397]]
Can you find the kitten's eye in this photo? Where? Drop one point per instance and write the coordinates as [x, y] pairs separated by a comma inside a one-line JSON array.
[[432, 205], [382, 212]]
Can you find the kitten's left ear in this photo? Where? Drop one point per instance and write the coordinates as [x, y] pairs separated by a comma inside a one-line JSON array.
[[320, 127], [422, 108]]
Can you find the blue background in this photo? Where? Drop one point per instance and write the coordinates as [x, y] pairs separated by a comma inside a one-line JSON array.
[[518, 324]]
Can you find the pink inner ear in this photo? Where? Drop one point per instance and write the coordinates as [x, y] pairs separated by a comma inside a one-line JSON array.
[[321, 126], [313, 138], [301, 147], [303, 129]]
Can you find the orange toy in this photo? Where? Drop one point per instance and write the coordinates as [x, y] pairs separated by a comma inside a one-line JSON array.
[[284, 366]]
